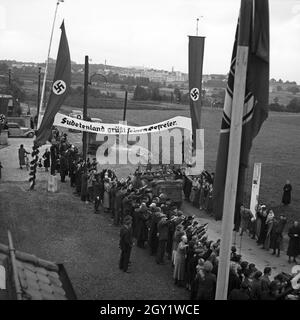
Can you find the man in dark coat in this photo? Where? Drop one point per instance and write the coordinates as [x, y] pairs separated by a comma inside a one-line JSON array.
[[276, 234], [142, 216], [240, 294], [207, 283], [54, 157], [171, 231], [234, 281], [112, 198], [294, 242], [187, 187], [78, 175], [126, 242], [256, 286], [153, 239], [98, 192], [162, 233], [72, 173], [46, 157], [118, 205], [287, 189], [63, 166], [264, 227], [22, 153]]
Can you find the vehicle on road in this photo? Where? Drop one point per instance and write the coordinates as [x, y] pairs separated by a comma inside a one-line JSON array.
[[15, 130]]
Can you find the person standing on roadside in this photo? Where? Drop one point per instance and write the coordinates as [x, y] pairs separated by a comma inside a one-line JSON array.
[[125, 244], [46, 157], [294, 242], [286, 197], [22, 153]]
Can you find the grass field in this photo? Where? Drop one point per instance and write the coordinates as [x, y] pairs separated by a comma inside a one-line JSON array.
[[277, 147]]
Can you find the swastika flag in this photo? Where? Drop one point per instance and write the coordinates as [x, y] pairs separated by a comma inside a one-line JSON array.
[[59, 88], [196, 51], [255, 107]]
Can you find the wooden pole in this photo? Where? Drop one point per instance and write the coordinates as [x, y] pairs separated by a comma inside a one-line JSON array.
[[46, 69], [39, 92], [14, 266], [125, 106], [233, 161]]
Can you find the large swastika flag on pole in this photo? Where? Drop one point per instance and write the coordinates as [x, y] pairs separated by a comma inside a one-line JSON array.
[[196, 52], [59, 89], [255, 105]]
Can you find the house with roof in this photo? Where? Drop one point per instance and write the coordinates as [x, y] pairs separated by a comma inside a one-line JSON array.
[[23, 276]]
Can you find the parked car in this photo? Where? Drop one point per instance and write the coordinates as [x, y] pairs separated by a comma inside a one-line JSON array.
[[15, 130]]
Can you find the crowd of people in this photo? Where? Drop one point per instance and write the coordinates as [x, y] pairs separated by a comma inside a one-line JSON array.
[[156, 223], [262, 225]]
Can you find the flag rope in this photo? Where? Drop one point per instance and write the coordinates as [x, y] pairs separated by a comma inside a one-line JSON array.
[[33, 165]]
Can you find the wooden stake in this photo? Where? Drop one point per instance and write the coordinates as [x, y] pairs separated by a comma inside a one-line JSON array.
[[233, 161]]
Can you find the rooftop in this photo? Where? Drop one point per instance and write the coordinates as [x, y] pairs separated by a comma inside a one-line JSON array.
[[38, 279]]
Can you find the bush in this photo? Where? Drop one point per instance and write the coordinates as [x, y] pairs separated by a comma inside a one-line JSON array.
[[294, 105], [277, 107]]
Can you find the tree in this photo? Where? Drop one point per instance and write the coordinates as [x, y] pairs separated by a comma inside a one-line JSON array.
[[140, 93], [294, 105], [16, 91], [177, 94], [276, 100], [293, 90], [279, 88], [155, 96]]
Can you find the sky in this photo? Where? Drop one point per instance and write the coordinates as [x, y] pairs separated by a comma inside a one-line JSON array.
[[152, 33]]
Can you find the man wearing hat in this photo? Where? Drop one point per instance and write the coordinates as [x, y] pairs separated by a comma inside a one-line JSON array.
[[125, 244], [118, 204], [153, 238]]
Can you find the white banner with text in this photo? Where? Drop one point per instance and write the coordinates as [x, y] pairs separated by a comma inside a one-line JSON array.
[[65, 121]]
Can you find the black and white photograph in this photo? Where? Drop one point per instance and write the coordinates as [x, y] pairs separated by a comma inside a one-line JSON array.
[[149, 151]]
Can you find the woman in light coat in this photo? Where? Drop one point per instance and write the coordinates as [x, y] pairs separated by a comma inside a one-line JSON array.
[[106, 197], [179, 268]]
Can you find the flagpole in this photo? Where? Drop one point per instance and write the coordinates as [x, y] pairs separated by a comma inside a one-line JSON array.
[[46, 69], [234, 149]]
